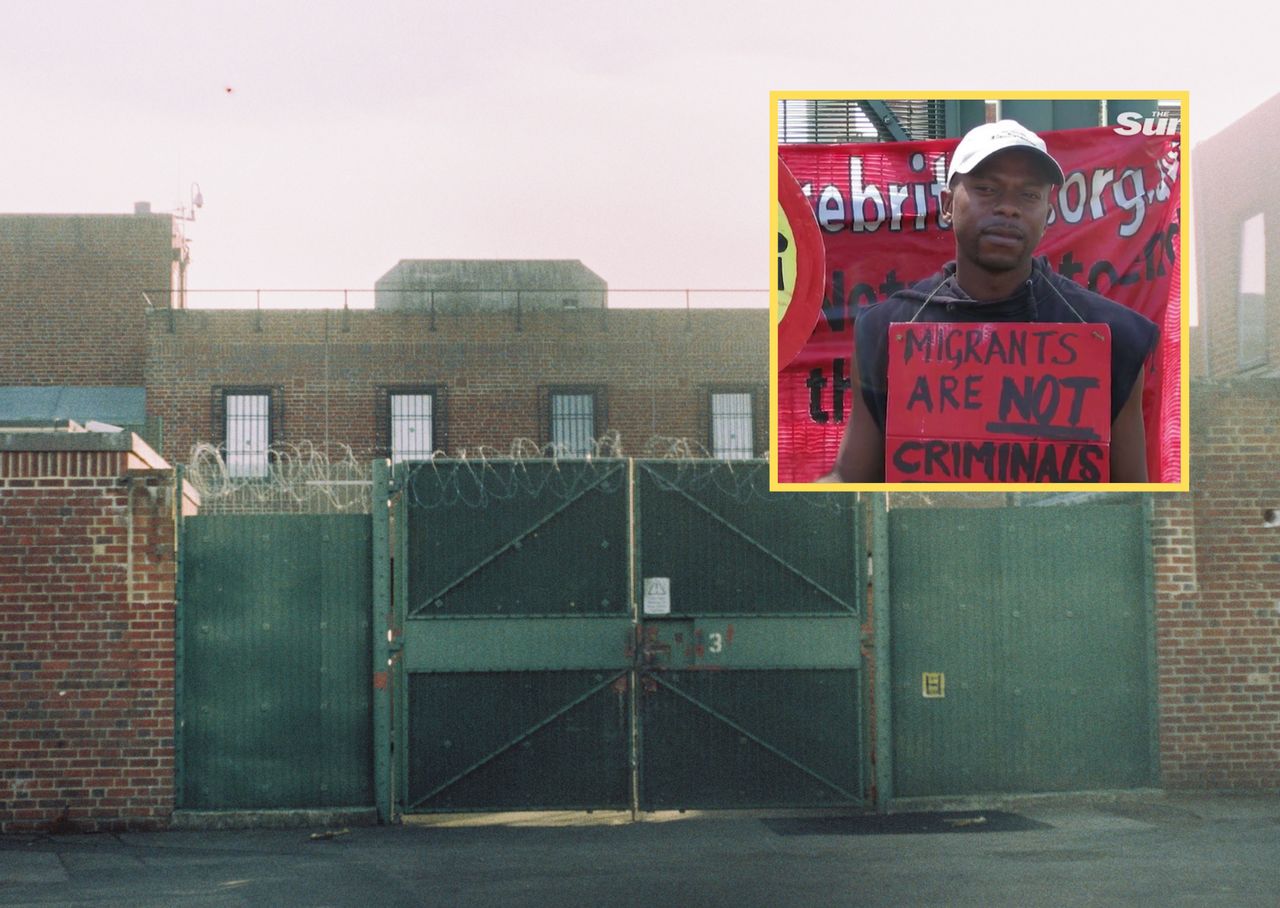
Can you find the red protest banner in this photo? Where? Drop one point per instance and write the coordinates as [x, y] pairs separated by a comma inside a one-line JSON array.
[[1114, 228], [1010, 402]]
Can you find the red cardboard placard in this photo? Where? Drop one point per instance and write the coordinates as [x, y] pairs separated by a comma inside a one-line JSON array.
[[1009, 402]]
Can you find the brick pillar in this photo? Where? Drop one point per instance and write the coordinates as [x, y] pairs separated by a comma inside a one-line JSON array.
[[87, 583], [1217, 572], [1182, 669]]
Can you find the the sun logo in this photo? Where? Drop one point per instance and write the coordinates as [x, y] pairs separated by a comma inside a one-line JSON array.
[[1131, 123]]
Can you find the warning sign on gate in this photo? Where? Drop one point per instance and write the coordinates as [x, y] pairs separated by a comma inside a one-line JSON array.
[[657, 595]]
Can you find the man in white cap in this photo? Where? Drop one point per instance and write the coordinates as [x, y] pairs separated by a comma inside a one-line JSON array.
[[997, 201]]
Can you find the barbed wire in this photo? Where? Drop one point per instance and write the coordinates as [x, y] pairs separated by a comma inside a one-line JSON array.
[[479, 477], [288, 478], [304, 478]]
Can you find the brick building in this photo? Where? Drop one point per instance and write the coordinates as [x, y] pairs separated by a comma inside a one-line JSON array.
[[73, 293], [403, 384], [72, 290]]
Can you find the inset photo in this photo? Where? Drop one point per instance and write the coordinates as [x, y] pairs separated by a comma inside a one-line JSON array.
[[978, 293]]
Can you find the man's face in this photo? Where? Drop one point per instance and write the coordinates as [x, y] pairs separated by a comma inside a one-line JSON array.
[[999, 211]]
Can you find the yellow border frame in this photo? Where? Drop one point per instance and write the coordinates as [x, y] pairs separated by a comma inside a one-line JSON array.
[[1184, 238]]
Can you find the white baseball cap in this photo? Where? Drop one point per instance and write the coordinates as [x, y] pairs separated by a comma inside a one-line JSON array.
[[983, 141]]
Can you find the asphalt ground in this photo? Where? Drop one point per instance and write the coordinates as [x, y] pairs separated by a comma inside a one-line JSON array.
[[1112, 850]]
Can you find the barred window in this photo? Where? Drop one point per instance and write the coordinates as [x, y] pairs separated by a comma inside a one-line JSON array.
[[412, 416], [731, 435], [248, 434], [573, 424]]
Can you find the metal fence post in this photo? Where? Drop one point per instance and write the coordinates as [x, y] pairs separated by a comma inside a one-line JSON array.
[[179, 646], [881, 629], [635, 596], [381, 623], [400, 478], [1148, 505]]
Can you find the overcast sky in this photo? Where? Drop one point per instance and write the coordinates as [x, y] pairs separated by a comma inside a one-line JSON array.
[[331, 140]]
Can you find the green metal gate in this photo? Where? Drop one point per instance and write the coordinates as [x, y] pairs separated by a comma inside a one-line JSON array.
[[625, 634], [516, 632], [749, 672], [274, 657], [1022, 649]]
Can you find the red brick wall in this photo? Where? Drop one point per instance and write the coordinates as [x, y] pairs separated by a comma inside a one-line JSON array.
[[71, 295], [86, 643], [1217, 574], [654, 370]]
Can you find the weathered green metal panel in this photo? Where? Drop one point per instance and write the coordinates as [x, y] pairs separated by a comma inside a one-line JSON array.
[[1078, 611], [277, 661], [716, 643], [756, 581], [518, 636], [537, 538], [518, 740], [1037, 621], [729, 546], [716, 739], [517, 644], [944, 574]]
